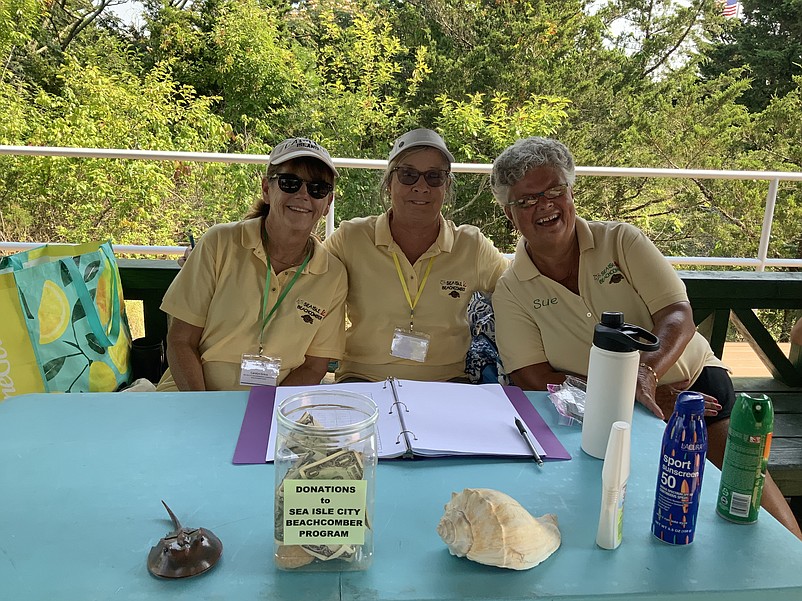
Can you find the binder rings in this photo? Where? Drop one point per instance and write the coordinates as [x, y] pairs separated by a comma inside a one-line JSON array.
[[418, 419]]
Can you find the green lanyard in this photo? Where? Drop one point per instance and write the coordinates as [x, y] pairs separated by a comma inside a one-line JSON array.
[[264, 319], [412, 304]]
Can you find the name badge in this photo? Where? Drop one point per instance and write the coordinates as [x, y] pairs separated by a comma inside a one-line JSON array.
[[409, 344], [258, 370]]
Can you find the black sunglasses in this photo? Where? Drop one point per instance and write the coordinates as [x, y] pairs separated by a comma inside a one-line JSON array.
[[289, 183], [408, 176]]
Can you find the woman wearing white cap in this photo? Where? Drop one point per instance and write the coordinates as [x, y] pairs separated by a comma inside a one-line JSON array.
[[260, 301], [411, 272]]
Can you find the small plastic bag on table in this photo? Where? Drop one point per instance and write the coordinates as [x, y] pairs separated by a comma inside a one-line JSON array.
[[569, 400]]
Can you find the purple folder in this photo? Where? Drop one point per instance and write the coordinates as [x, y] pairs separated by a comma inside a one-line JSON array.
[[255, 430], [535, 424]]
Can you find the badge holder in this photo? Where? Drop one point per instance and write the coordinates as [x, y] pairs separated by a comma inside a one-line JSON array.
[[409, 344], [259, 370]]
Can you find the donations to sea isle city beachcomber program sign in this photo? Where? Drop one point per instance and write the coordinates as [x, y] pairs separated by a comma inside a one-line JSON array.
[[324, 512]]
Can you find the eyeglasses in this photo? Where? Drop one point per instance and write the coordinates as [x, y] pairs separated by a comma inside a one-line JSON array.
[[530, 200], [289, 183], [408, 176]]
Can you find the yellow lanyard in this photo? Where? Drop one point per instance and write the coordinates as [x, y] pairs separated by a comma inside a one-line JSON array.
[[412, 304]]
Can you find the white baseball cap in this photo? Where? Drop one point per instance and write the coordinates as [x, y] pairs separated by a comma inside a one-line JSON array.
[[420, 137]]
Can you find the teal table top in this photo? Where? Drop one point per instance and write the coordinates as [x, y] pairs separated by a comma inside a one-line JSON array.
[[82, 476]]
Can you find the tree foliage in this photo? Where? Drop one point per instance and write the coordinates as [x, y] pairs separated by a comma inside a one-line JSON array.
[[624, 83], [768, 41]]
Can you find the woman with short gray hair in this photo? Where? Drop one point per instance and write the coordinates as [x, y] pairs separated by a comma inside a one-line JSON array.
[[567, 271], [529, 153]]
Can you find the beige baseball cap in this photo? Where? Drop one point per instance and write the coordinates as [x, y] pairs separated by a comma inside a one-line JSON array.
[[420, 137], [294, 148]]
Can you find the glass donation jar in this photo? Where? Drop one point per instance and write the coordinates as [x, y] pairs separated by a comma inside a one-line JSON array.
[[325, 465]]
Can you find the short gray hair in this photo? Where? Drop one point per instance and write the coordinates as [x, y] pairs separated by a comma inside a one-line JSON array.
[[515, 161]]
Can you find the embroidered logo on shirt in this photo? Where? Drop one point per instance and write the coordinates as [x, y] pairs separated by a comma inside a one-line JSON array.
[[309, 312], [610, 274], [453, 288]]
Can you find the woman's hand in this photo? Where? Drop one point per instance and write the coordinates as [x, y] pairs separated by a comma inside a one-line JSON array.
[[183, 259], [646, 392], [666, 397]]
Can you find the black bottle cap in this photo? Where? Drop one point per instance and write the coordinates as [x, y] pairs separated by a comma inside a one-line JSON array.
[[612, 334]]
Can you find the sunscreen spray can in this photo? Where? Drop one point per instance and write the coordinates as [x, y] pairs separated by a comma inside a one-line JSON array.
[[745, 458], [679, 479]]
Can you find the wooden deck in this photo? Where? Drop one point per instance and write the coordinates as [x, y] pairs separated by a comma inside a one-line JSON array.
[[744, 361]]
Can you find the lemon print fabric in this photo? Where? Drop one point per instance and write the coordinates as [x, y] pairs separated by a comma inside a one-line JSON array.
[[120, 352], [101, 377], [54, 313], [103, 298], [75, 314]]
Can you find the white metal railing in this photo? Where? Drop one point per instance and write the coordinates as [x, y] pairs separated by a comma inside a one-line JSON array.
[[759, 263]]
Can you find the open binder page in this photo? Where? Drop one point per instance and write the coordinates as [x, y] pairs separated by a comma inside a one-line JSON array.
[[462, 419], [442, 418]]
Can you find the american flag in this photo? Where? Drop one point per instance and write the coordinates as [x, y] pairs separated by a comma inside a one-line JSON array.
[[730, 8]]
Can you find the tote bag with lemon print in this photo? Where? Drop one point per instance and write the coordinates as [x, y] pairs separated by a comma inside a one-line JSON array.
[[63, 325]]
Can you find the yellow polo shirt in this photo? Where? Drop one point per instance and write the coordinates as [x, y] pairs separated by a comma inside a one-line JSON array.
[[220, 290], [539, 320], [464, 261]]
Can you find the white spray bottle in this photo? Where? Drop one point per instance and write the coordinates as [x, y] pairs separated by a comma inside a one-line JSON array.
[[612, 378], [615, 474]]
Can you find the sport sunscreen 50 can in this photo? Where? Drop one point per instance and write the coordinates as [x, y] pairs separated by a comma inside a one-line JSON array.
[[679, 479]]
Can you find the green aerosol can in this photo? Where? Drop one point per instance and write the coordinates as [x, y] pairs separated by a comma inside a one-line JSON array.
[[746, 458]]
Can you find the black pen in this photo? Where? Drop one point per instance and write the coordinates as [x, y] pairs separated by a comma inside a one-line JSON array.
[[191, 240], [529, 442]]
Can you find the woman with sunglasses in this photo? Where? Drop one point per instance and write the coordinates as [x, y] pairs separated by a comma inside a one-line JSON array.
[[411, 272], [567, 271], [260, 301]]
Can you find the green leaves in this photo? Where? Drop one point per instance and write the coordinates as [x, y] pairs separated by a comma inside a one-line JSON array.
[[240, 75], [480, 128]]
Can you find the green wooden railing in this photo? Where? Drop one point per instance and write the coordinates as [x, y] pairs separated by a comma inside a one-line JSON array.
[[721, 297], [717, 297]]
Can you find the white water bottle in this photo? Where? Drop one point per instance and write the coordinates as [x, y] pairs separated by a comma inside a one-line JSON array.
[[615, 474], [612, 378]]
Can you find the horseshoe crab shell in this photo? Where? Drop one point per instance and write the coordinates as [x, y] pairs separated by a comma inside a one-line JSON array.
[[184, 551], [492, 528]]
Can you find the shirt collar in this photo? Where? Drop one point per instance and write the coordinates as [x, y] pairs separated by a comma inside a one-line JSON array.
[[252, 239], [383, 236], [523, 266], [584, 236]]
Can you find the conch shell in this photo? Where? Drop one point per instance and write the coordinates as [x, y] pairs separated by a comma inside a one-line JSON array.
[[492, 528]]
